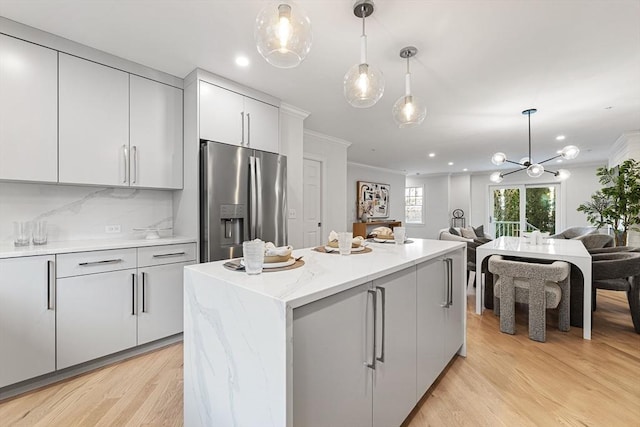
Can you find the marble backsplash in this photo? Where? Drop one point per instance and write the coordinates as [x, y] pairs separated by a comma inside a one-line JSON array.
[[81, 213]]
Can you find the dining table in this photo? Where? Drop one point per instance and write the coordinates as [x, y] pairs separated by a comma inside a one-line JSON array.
[[571, 251]]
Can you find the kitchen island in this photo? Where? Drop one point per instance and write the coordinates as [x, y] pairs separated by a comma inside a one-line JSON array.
[[344, 340]]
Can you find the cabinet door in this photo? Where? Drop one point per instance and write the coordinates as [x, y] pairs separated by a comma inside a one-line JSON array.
[[394, 391], [156, 134], [221, 115], [27, 318], [160, 301], [94, 123], [28, 111], [431, 295], [455, 314], [262, 125], [332, 342], [96, 316]]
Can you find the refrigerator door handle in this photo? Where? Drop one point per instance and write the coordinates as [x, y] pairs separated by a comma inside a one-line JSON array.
[[258, 198], [253, 212]]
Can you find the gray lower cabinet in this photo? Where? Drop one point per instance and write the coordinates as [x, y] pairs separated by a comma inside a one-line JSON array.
[[342, 375], [27, 318]]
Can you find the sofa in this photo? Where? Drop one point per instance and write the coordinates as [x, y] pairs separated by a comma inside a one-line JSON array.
[[444, 234]]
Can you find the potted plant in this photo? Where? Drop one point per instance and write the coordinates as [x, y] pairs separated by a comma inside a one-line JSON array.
[[618, 202]]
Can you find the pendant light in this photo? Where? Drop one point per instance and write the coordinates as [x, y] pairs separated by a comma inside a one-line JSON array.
[[283, 34], [363, 84], [408, 110], [534, 170]]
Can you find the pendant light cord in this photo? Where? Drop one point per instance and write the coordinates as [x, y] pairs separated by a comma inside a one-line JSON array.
[[530, 158]]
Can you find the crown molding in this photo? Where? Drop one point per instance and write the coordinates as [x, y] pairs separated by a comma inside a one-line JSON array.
[[292, 110], [378, 168], [327, 138]]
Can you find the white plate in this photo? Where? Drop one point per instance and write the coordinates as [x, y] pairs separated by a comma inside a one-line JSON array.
[[375, 239], [268, 265], [358, 249]]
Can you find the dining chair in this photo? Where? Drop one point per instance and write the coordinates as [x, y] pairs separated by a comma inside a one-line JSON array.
[[541, 286]]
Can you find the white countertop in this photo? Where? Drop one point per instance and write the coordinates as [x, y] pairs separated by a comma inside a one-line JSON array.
[[325, 274], [52, 248]]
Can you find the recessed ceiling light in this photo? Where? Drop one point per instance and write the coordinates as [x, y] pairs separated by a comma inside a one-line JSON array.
[[559, 161], [465, 169], [560, 138], [242, 61], [450, 163], [432, 154]]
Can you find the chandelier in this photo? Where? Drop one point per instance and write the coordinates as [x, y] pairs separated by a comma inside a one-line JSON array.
[[534, 170]]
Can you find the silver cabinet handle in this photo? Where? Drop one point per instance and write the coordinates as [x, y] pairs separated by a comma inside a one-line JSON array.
[[51, 277], [450, 281], [384, 327], [445, 304], [372, 365], [242, 123], [125, 151], [169, 255], [248, 129], [106, 261], [134, 154], [144, 299], [133, 294]]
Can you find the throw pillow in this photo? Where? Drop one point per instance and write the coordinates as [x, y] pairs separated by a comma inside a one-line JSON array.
[[468, 233], [479, 231], [453, 231]]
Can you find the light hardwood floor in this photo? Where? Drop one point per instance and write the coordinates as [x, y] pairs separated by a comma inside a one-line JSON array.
[[506, 380]]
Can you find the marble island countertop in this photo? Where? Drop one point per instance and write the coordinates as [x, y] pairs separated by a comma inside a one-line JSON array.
[[8, 250], [326, 274]]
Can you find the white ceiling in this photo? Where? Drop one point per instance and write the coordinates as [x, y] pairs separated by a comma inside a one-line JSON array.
[[480, 63]]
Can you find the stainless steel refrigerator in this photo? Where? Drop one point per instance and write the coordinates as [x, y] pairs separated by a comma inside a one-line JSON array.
[[243, 196]]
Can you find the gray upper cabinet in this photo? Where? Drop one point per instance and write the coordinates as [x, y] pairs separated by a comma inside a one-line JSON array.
[[94, 123], [28, 111], [156, 134]]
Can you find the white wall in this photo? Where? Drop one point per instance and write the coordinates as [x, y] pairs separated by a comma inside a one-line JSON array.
[[436, 206], [334, 153], [78, 213], [359, 172]]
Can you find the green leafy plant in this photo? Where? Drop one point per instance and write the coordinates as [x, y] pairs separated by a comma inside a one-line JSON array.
[[618, 202]]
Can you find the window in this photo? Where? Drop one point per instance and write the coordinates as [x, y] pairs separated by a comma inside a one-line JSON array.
[[413, 202]]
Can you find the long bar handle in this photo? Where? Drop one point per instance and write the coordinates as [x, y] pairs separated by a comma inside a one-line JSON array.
[[372, 365], [144, 288], [445, 304], [169, 255], [106, 261], [134, 154], [51, 277], [384, 327], [248, 129], [125, 156], [450, 301], [253, 212], [242, 124], [259, 204], [133, 294]]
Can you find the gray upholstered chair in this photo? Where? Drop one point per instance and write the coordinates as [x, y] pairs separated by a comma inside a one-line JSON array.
[[596, 241], [573, 232], [541, 286], [619, 271]]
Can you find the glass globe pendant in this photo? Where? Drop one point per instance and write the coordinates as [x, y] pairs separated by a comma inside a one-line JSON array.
[[535, 170], [363, 83], [283, 34], [408, 110]]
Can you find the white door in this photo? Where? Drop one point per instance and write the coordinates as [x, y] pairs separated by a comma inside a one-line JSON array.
[[455, 313], [96, 316], [431, 294], [332, 342], [519, 208], [27, 318], [156, 134], [28, 111], [394, 390], [160, 301], [222, 115], [312, 203], [262, 125], [94, 123]]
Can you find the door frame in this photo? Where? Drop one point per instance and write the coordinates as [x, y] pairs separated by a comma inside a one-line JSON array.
[[323, 191]]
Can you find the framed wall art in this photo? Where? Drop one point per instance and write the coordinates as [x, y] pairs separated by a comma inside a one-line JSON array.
[[373, 200]]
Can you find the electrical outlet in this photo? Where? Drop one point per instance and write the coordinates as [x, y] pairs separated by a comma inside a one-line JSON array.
[[112, 228], [292, 214]]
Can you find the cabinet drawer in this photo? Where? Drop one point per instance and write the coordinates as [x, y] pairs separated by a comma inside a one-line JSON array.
[[80, 263], [166, 254]]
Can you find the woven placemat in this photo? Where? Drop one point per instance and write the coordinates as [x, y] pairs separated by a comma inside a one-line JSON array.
[[236, 266], [321, 249]]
